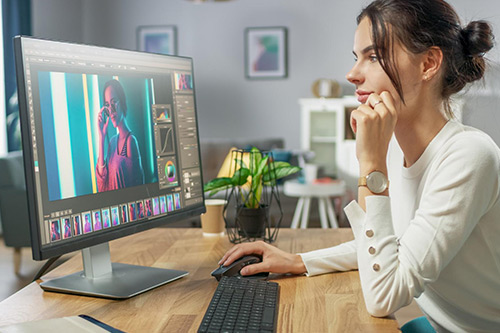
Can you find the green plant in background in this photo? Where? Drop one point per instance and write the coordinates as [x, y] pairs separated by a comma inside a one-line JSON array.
[[253, 171]]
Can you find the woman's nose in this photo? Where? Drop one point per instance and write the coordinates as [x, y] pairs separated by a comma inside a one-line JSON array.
[[354, 76]]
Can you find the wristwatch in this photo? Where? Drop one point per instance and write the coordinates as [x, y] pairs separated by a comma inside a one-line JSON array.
[[376, 182]]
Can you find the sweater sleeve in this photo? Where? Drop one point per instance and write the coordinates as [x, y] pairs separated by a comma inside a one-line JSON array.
[[459, 188], [338, 258]]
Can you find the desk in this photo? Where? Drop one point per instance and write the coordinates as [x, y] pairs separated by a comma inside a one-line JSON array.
[[330, 302]]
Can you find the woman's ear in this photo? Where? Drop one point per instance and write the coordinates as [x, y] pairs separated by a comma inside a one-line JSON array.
[[433, 59]]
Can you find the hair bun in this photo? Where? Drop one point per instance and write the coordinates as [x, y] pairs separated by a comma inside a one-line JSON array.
[[477, 38]]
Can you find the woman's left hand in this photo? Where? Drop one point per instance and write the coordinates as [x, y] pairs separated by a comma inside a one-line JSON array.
[[374, 123]]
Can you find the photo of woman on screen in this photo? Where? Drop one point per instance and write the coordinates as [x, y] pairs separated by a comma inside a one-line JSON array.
[[120, 166]]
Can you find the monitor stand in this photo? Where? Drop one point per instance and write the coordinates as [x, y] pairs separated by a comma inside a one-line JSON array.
[[101, 278]]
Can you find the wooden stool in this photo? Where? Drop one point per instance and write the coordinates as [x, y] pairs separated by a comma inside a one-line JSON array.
[[321, 191]]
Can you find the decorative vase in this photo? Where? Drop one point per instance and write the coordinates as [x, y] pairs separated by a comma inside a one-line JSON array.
[[252, 221]]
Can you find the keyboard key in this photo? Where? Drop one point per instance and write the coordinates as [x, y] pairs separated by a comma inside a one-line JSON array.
[[268, 315]]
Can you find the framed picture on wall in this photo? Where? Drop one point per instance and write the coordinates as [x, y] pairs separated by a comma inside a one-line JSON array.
[[266, 52], [157, 39]]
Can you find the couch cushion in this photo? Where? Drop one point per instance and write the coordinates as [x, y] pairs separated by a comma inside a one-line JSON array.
[[12, 170]]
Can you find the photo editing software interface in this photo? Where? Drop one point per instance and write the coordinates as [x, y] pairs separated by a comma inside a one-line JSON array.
[[113, 135]]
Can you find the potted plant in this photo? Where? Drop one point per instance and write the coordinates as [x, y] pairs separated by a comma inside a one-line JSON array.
[[252, 187]]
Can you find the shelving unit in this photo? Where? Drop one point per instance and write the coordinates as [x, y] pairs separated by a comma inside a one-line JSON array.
[[326, 131]]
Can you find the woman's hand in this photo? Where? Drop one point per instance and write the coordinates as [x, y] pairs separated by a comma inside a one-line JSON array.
[[374, 123], [273, 259], [103, 121]]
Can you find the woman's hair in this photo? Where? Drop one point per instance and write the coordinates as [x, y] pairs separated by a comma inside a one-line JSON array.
[[117, 86], [420, 24]]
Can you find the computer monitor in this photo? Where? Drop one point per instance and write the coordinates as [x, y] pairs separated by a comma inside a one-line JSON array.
[[111, 148]]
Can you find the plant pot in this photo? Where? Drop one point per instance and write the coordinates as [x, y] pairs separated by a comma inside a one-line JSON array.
[[253, 221]]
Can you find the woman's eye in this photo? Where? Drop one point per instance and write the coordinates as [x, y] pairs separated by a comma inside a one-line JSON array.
[[373, 58]]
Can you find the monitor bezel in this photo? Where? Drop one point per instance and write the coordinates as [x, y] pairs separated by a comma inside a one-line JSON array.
[[40, 253]]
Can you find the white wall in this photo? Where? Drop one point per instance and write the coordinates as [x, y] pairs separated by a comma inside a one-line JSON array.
[[320, 44]]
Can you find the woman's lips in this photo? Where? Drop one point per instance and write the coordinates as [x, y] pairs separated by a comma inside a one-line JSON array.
[[362, 95], [362, 98]]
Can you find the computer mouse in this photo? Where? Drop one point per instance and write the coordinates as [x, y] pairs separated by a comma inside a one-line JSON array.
[[235, 268]]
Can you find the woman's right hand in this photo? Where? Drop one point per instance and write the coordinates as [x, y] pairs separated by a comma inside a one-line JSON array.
[[274, 260], [374, 123], [103, 121]]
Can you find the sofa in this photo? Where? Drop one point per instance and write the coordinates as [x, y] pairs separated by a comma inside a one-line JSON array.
[[14, 205]]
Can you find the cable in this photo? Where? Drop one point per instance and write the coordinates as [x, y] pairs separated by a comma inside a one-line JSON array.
[[45, 268]]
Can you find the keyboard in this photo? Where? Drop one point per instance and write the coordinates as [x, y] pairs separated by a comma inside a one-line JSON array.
[[242, 305]]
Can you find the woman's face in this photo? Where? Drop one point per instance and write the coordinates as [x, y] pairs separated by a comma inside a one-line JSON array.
[[112, 102], [369, 77]]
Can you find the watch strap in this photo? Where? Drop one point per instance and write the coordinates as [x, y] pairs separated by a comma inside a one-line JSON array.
[[362, 181]]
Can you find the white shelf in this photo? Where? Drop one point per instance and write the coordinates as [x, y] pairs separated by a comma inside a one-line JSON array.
[[323, 139]]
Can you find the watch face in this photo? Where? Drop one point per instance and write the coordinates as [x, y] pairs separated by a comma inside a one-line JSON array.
[[376, 182]]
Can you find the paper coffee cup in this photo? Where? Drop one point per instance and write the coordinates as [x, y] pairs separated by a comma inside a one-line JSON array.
[[310, 173], [212, 222]]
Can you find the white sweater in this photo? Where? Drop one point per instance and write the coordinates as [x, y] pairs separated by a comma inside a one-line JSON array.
[[436, 238]]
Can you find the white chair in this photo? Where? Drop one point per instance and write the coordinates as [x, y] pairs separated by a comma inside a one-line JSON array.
[[321, 191]]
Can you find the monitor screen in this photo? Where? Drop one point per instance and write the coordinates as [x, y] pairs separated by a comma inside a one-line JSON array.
[[110, 141]]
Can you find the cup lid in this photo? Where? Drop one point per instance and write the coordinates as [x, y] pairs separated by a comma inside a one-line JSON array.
[[215, 202]]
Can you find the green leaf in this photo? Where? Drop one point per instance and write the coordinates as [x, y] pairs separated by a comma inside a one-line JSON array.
[[255, 158], [271, 182], [256, 186], [220, 189], [217, 183], [257, 179], [280, 173], [240, 177], [275, 165], [258, 194], [262, 165]]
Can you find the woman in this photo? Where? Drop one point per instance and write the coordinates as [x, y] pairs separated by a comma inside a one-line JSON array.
[[54, 231], [433, 232], [121, 166]]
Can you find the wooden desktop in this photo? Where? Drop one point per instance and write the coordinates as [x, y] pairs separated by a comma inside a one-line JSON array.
[[330, 302]]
